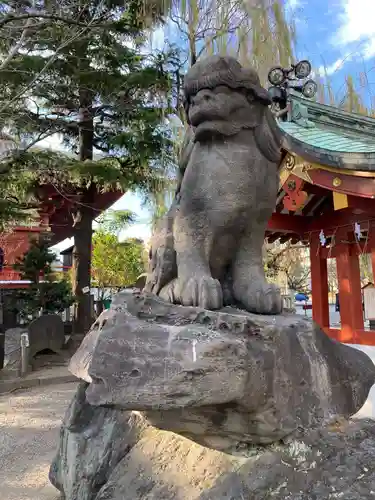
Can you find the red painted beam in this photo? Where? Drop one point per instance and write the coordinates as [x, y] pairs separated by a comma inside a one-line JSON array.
[[365, 205], [350, 184], [363, 337], [340, 218], [357, 248], [283, 223]]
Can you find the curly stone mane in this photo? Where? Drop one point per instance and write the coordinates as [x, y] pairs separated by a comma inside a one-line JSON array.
[[226, 71]]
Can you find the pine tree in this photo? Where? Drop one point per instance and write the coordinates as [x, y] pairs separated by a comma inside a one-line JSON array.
[[82, 74], [45, 294]]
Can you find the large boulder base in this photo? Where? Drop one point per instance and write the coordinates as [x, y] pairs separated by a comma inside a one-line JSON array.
[[224, 378], [110, 454]]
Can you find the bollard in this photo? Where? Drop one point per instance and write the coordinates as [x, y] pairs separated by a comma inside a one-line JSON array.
[[24, 353]]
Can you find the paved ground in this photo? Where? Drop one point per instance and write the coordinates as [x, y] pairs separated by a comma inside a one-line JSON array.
[[29, 429], [334, 317]]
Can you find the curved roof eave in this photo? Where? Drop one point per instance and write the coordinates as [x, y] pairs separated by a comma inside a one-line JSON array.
[[360, 161], [328, 136]]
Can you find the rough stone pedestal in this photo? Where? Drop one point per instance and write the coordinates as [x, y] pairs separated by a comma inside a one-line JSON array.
[[263, 400], [221, 378], [109, 454]]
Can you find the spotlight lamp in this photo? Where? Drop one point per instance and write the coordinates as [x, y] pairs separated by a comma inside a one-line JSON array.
[[283, 80], [302, 69], [277, 75], [309, 89]]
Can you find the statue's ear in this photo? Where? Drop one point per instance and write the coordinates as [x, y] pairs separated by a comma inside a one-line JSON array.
[[268, 137]]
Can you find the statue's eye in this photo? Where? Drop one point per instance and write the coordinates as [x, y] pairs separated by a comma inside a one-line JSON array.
[[250, 96]]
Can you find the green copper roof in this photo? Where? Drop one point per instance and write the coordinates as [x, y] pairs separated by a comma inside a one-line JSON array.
[[325, 139], [329, 136]]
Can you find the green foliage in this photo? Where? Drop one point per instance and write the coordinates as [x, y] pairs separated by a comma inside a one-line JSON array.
[[44, 294], [35, 262], [114, 221], [115, 264], [80, 71], [83, 75]]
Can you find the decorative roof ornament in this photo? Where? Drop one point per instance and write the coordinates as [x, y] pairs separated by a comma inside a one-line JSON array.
[[288, 81], [299, 114]]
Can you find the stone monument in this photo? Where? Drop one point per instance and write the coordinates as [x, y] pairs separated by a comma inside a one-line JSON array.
[[44, 332], [199, 387]]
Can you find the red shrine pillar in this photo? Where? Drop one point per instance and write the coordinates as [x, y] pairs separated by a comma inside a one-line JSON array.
[[350, 294], [319, 283], [372, 248]]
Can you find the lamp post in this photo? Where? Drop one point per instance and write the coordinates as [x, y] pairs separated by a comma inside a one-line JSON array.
[[283, 80]]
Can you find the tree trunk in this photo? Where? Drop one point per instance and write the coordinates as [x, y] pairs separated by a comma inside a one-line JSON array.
[[81, 276], [82, 226]]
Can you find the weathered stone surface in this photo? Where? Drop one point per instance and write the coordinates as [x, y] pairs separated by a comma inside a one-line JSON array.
[[207, 251], [107, 454], [221, 378], [92, 443], [81, 361], [12, 348], [332, 463], [45, 332]]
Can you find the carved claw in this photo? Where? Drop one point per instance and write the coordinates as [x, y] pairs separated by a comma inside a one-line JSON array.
[[202, 291], [263, 299]]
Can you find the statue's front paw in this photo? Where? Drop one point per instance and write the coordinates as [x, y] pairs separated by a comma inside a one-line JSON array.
[[263, 299], [202, 291]]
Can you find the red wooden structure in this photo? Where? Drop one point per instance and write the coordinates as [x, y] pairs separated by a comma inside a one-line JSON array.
[[327, 200], [55, 217]]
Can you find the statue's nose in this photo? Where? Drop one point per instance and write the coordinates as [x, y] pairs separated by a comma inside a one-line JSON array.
[[202, 96]]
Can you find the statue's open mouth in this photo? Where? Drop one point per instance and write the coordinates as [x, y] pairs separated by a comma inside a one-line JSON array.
[[205, 114], [210, 129]]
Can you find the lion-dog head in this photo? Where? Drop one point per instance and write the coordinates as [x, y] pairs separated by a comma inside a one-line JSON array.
[[222, 98]]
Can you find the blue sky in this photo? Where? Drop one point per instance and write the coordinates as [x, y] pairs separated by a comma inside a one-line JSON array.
[[339, 34]]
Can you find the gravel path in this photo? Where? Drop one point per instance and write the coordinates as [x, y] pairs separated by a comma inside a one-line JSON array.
[[29, 430]]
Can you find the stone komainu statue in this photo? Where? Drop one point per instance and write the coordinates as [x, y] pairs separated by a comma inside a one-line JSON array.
[[207, 250]]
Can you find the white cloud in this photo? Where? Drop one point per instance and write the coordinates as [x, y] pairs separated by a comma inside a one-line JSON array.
[[293, 4], [357, 27], [332, 68]]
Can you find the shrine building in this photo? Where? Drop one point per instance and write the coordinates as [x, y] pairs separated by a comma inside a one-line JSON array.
[[326, 200]]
